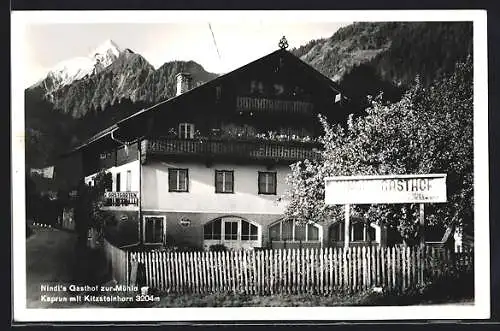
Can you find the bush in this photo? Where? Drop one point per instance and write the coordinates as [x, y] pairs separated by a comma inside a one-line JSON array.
[[188, 248], [218, 248], [449, 288]]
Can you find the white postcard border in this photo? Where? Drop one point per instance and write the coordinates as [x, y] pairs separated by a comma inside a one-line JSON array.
[[481, 307]]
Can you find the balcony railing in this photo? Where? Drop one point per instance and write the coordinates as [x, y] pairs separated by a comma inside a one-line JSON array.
[[118, 199], [289, 151]]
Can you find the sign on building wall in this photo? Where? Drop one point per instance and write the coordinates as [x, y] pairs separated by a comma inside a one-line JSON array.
[[428, 188], [185, 221]]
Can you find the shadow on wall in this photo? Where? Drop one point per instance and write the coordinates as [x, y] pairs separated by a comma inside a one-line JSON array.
[[123, 229]]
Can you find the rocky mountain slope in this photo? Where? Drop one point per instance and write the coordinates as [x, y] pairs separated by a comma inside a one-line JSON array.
[[112, 75], [70, 70]]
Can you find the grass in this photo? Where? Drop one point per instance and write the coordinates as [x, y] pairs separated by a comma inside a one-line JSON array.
[[245, 300], [436, 293], [450, 290], [366, 298], [279, 300]]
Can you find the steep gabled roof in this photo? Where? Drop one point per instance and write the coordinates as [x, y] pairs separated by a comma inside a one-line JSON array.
[[300, 65]]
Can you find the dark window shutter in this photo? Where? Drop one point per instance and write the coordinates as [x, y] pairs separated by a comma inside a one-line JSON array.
[[262, 182], [172, 180], [218, 181], [118, 188], [228, 182]]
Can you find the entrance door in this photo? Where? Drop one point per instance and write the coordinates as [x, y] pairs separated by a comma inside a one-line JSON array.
[[231, 229]]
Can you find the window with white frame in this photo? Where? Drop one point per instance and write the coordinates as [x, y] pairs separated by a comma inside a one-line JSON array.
[[186, 130], [178, 180], [154, 229], [290, 230], [230, 229], [224, 181], [267, 182]]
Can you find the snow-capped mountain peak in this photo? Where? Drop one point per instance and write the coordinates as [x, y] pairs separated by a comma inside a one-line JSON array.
[[108, 47], [67, 71]]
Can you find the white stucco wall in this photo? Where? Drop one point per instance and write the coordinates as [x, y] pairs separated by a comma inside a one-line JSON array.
[[132, 166], [202, 197]]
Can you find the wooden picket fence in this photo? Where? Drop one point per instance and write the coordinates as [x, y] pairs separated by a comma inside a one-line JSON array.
[[118, 262], [308, 270]]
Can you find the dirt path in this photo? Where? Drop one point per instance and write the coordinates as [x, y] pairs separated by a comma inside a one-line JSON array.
[[50, 259]]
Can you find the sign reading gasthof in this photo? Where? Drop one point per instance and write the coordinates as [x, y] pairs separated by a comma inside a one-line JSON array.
[[428, 188]]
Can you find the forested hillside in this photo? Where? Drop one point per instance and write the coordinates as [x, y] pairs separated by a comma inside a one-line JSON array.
[[368, 57]]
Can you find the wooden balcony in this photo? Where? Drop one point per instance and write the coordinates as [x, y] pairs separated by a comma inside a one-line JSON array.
[[243, 150], [121, 199]]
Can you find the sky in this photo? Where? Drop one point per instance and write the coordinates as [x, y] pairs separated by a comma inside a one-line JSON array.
[[238, 43]]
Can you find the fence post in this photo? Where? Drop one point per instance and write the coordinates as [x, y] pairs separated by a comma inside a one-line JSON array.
[[274, 270], [178, 271], [339, 270], [284, 271], [279, 262], [233, 270], [378, 270], [323, 270], [245, 266], [365, 264], [345, 269], [413, 267], [128, 268], [300, 271], [403, 268], [258, 261], [332, 261]]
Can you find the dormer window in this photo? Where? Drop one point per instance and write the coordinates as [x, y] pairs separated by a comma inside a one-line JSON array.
[[186, 131]]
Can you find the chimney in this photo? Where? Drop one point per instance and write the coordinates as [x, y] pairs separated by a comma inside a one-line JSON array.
[[184, 82]]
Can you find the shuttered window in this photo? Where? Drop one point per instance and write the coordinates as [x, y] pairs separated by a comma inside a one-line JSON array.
[[267, 182], [186, 131], [178, 180], [224, 181]]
